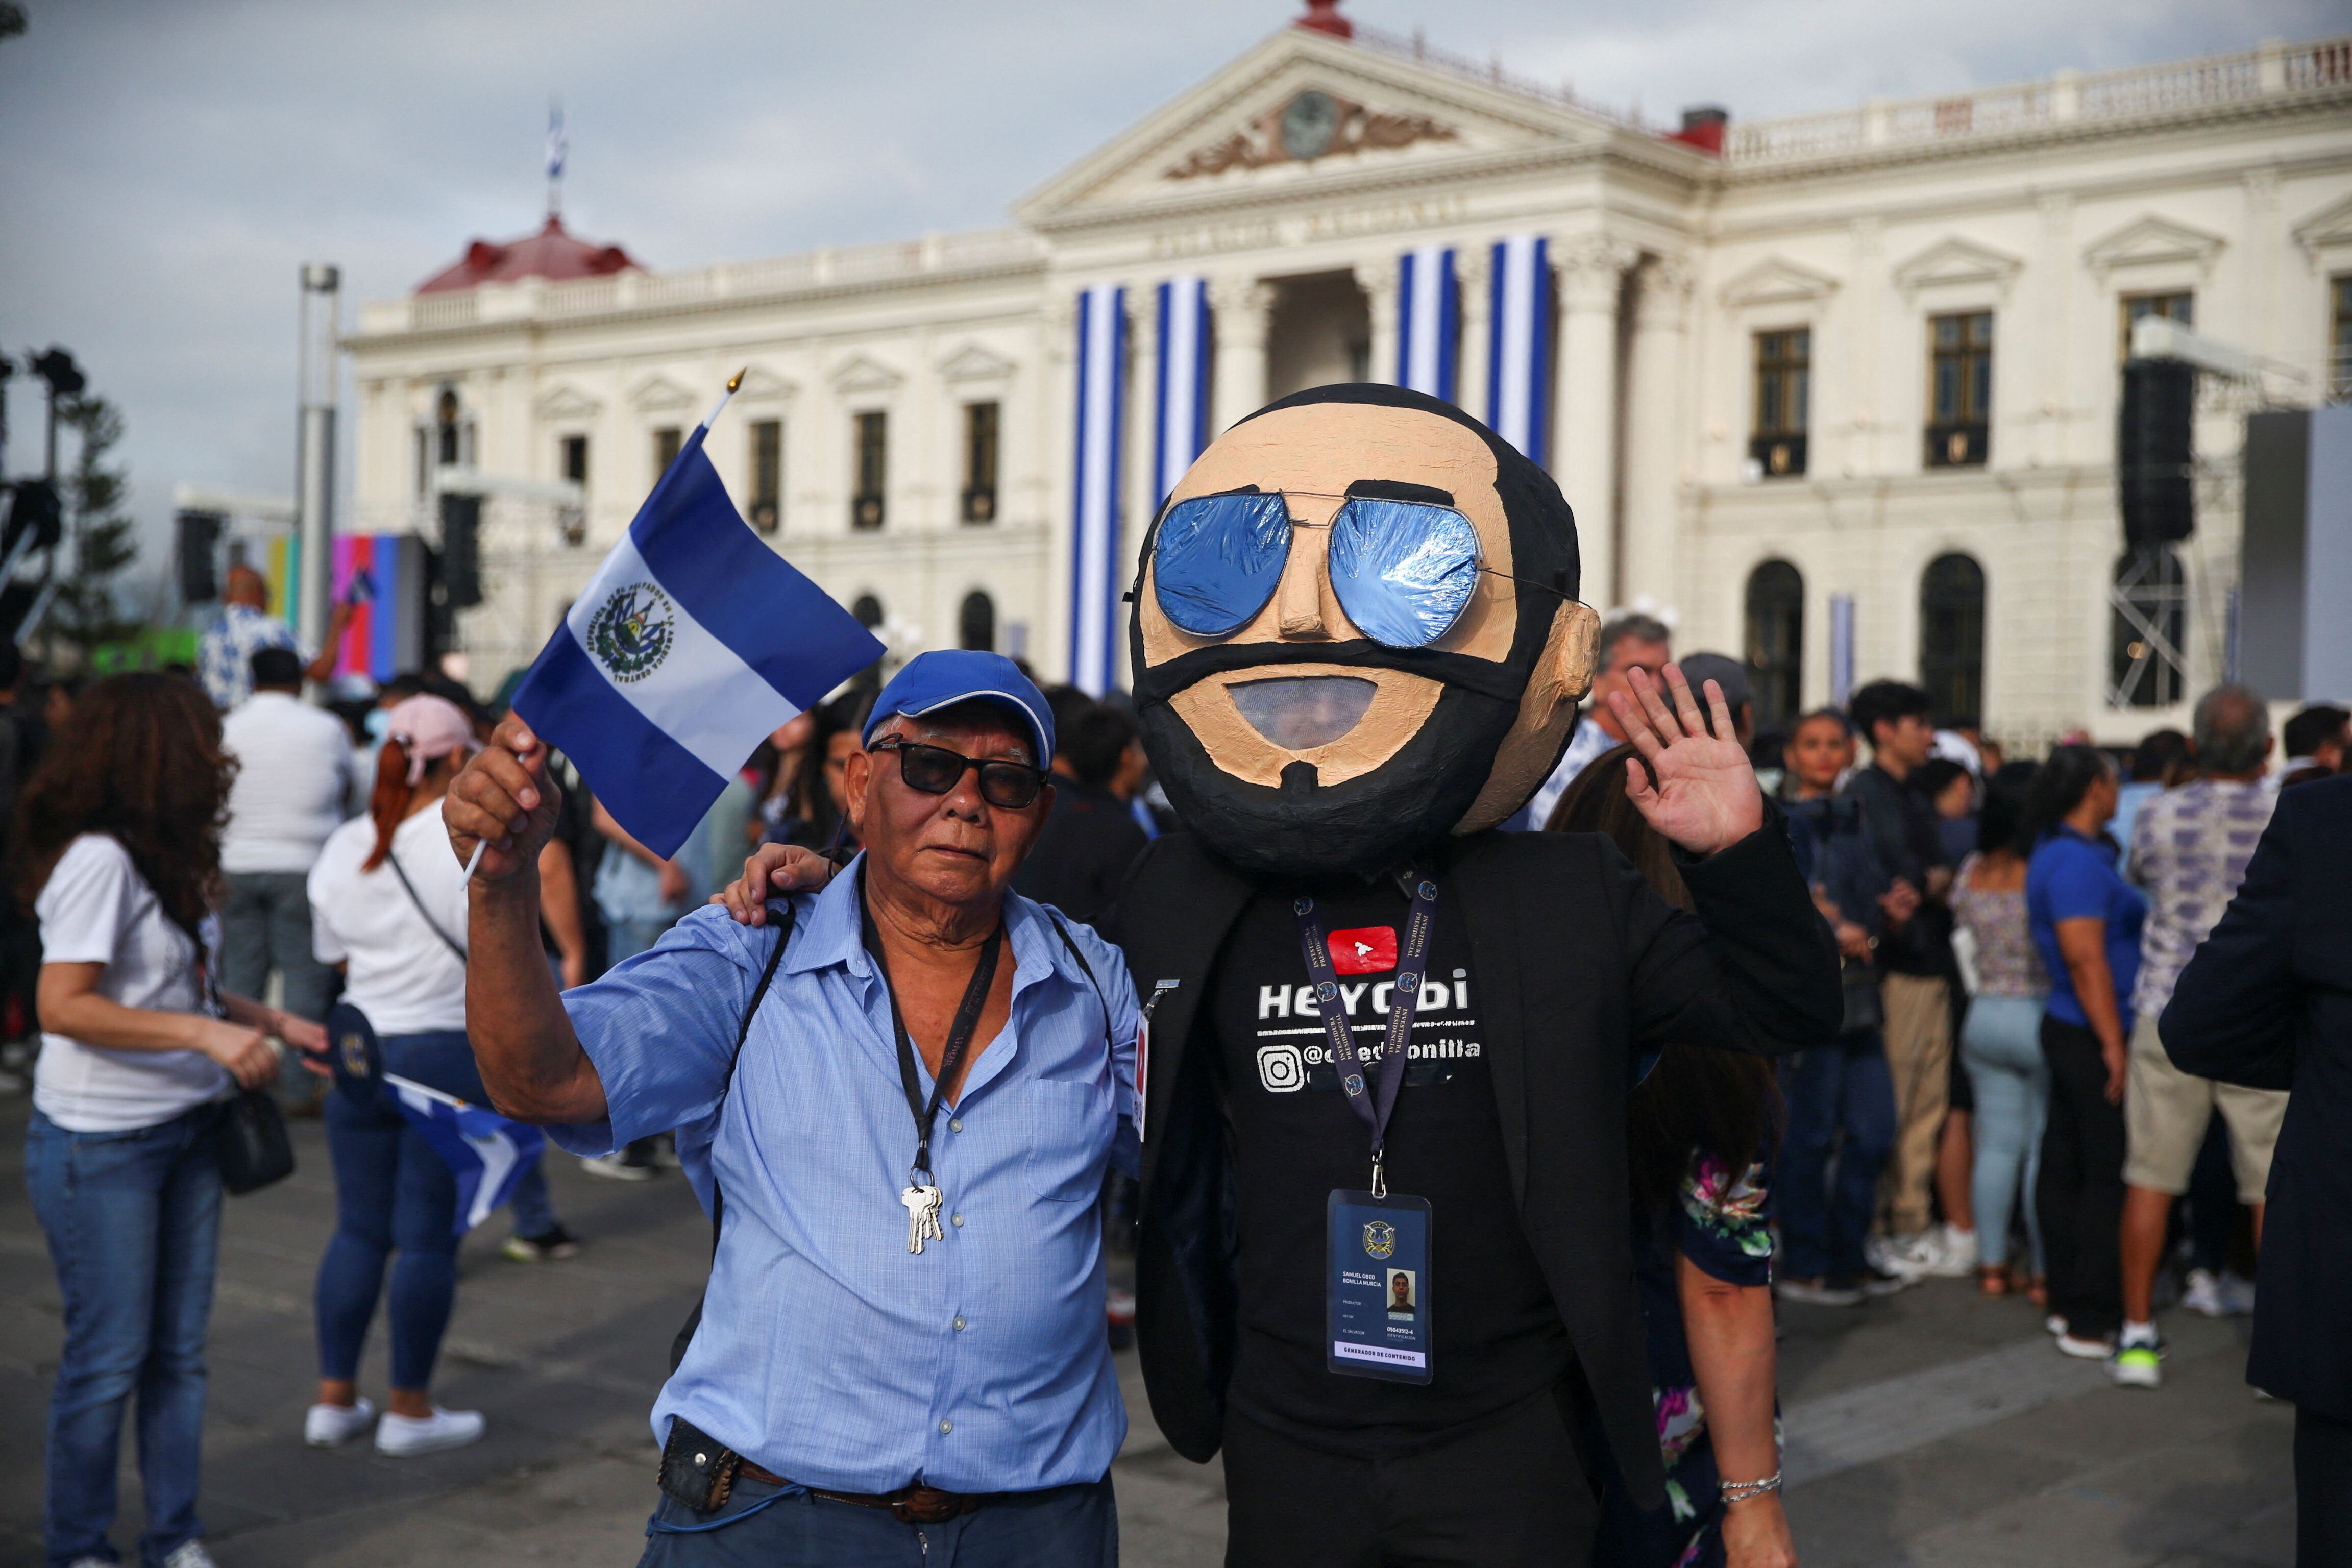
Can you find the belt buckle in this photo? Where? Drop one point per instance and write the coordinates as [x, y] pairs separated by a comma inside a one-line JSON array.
[[926, 1505]]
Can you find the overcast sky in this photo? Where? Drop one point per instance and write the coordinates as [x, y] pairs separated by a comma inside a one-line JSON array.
[[165, 168]]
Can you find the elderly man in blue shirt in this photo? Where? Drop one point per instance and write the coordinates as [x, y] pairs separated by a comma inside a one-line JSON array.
[[901, 1352]]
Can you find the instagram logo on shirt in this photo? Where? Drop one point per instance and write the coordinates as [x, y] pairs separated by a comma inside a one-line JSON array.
[[1281, 1068]]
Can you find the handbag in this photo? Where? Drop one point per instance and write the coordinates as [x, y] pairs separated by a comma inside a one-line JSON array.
[[251, 1142], [1858, 978]]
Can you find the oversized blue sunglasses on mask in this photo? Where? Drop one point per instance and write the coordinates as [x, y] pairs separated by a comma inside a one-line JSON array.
[[1403, 571]]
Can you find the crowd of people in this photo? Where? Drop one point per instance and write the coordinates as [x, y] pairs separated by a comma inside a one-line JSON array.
[[204, 867]]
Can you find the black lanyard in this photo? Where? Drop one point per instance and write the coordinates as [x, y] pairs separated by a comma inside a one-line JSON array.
[[967, 1020], [1373, 1105]]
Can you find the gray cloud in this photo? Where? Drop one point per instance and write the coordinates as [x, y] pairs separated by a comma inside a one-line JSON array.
[[169, 167]]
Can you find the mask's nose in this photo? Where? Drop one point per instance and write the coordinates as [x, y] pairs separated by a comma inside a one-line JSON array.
[[1299, 712]]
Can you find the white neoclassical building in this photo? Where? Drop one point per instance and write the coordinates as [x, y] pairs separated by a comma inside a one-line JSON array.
[[1840, 390]]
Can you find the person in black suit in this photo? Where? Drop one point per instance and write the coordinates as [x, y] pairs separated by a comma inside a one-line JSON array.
[[2267, 1002], [1339, 755]]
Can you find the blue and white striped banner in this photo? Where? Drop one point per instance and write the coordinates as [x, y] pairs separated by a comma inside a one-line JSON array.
[[1094, 562], [1180, 421], [1428, 320], [1519, 360]]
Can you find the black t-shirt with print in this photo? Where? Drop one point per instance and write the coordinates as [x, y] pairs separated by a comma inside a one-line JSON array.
[[1497, 1340]]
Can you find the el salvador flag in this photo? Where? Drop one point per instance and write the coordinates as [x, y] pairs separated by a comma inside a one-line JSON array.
[[693, 643], [486, 1152]]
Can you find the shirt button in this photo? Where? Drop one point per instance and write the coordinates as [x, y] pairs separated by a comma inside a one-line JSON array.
[[955, 1219], [955, 1124], [958, 1324], [946, 1427]]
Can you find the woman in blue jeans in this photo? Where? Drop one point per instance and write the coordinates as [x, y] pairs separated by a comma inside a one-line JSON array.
[[118, 848], [388, 906], [2001, 1043]]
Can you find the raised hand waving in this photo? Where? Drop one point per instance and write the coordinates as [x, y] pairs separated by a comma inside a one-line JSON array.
[[1698, 790]]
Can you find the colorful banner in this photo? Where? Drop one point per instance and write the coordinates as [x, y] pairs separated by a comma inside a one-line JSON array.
[[382, 576], [1519, 361], [1428, 321], [1180, 422], [1096, 559]]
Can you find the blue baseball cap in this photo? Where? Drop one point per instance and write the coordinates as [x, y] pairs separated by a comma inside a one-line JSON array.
[[931, 682]]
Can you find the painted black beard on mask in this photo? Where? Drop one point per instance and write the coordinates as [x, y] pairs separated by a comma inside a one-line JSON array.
[[1364, 824]]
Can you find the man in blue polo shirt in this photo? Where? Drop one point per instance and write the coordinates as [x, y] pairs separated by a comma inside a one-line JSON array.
[[901, 1352]]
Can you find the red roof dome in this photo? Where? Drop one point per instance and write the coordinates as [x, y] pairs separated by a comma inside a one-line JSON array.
[[553, 253]]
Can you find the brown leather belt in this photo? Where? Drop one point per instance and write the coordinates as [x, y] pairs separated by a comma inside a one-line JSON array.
[[913, 1504]]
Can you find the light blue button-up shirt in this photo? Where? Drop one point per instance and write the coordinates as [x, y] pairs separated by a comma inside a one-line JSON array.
[[828, 1353]]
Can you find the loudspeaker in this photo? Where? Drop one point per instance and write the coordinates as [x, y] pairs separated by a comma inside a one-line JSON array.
[[461, 548], [196, 547], [2154, 459]]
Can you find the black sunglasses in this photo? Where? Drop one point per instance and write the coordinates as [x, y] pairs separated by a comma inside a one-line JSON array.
[[934, 770]]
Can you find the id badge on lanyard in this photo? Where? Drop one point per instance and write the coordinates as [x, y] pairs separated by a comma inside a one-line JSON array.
[[1376, 1275]]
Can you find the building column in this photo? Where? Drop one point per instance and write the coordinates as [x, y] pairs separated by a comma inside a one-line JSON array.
[[1591, 274], [1241, 309], [1472, 268], [1378, 279], [1651, 543]]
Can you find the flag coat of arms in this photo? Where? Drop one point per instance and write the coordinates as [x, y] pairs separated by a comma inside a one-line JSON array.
[[692, 644]]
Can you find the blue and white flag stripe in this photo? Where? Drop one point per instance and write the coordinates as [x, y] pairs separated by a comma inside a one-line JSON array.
[[694, 641], [485, 1152], [1517, 364], [1094, 557], [1180, 420], [1427, 320]]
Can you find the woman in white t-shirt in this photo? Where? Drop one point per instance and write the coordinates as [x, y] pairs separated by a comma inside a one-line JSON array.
[[388, 908], [118, 846]]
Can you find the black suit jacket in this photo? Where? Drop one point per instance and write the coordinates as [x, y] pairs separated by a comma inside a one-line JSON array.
[[1581, 964], [2267, 1002]]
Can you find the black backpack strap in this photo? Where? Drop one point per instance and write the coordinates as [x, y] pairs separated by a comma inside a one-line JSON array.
[[1083, 968], [743, 1033], [685, 1335]]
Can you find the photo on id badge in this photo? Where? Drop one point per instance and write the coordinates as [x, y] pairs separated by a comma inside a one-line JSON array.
[[1376, 1286]]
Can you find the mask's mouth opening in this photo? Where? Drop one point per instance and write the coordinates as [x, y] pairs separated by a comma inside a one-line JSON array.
[[1299, 712]]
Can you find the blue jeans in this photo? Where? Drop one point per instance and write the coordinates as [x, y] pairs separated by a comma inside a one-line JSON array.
[[393, 1193], [133, 1224], [1068, 1527], [2000, 1044], [1825, 1212], [266, 925]]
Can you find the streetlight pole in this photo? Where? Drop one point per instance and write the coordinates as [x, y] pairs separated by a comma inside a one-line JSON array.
[[314, 477]]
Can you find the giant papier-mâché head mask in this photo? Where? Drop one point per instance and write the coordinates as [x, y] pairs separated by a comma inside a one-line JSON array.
[[1356, 630]]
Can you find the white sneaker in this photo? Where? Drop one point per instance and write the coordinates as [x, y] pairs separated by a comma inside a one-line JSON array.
[[2204, 1294], [330, 1425], [1888, 1255], [93, 1563], [402, 1436], [1940, 1252], [616, 1167], [2238, 1294], [190, 1554], [2069, 1343]]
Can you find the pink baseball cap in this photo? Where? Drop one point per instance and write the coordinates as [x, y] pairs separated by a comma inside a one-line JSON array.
[[431, 728]]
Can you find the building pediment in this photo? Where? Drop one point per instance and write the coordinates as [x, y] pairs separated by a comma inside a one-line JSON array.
[[1954, 261], [1776, 280], [975, 364], [2152, 241], [660, 394], [863, 374], [1304, 110], [2329, 228], [569, 404], [765, 386]]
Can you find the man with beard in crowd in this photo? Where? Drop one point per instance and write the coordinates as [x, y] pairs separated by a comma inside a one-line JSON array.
[[1388, 1037]]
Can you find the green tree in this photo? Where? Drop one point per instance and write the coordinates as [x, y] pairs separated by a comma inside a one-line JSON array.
[[100, 538]]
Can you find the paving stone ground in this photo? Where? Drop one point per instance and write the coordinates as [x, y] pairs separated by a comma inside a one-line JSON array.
[[1934, 1429]]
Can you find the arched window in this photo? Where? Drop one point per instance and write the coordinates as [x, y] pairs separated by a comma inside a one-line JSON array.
[[2148, 626], [976, 623], [1951, 639], [1775, 644], [446, 425], [867, 610]]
